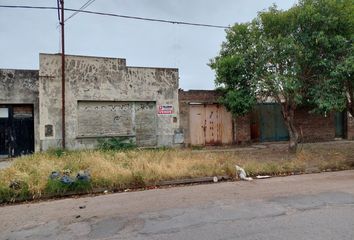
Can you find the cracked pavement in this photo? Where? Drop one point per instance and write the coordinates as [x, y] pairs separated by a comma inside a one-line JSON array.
[[313, 206]]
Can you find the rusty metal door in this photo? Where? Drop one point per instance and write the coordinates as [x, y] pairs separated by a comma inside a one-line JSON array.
[[197, 124], [210, 124]]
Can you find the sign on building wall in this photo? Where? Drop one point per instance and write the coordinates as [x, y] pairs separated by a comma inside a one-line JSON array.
[[165, 109]]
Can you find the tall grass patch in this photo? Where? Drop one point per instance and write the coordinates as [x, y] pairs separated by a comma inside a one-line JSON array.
[[111, 169]]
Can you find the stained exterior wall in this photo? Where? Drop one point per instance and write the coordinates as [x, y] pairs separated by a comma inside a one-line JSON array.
[[21, 87], [95, 80]]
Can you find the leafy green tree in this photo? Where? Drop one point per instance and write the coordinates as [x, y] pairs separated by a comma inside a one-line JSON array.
[[259, 62], [326, 32], [300, 56]]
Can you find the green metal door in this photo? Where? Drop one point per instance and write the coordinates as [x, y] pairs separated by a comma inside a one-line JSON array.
[[339, 124], [272, 126]]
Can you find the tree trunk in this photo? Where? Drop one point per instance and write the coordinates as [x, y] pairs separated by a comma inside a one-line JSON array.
[[288, 114], [293, 137]]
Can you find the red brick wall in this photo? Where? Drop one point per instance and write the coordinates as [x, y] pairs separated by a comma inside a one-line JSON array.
[[314, 127], [207, 96]]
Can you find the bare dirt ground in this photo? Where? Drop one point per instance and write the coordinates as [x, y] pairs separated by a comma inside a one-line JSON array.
[[279, 150], [313, 206]]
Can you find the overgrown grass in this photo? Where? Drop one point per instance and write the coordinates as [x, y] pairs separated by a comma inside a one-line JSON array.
[[134, 168]]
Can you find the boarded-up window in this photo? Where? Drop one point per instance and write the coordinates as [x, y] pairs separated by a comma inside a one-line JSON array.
[[101, 119], [105, 118]]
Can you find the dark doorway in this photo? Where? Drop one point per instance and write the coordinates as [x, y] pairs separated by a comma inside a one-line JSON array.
[[16, 130]]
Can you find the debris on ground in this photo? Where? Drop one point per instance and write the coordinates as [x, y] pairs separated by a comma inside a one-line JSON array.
[[242, 174], [54, 175], [66, 179], [263, 176], [215, 179], [82, 207], [83, 176]]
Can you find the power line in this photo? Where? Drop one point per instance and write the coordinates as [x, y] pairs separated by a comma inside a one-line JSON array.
[[88, 3], [117, 15]]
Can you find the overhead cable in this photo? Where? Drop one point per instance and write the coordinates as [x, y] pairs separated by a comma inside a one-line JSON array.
[[117, 15]]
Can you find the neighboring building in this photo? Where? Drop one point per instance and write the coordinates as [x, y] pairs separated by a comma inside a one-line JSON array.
[[19, 107], [104, 98], [205, 122]]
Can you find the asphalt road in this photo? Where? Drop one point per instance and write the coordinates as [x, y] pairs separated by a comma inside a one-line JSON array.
[[314, 206]]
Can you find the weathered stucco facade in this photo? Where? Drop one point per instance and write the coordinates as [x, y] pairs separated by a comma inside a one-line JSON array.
[[106, 98], [19, 88]]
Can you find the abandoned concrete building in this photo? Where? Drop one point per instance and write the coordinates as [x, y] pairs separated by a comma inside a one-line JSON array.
[[104, 98], [205, 122]]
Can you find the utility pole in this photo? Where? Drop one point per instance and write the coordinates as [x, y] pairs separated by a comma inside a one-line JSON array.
[[61, 4]]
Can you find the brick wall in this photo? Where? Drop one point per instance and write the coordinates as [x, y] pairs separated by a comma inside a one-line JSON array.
[[314, 127], [203, 96]]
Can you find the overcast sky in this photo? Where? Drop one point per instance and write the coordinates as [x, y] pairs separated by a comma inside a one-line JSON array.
[[26, 33]]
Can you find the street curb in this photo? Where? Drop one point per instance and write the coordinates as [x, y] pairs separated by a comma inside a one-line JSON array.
[[186, 181]]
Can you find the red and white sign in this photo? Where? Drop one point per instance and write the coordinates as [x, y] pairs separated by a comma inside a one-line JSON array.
[[165, 109]]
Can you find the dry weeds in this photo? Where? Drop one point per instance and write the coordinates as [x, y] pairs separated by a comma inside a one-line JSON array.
[[137, 168]]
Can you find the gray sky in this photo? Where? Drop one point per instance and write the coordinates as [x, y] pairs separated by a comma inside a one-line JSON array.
[[26, 33]]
